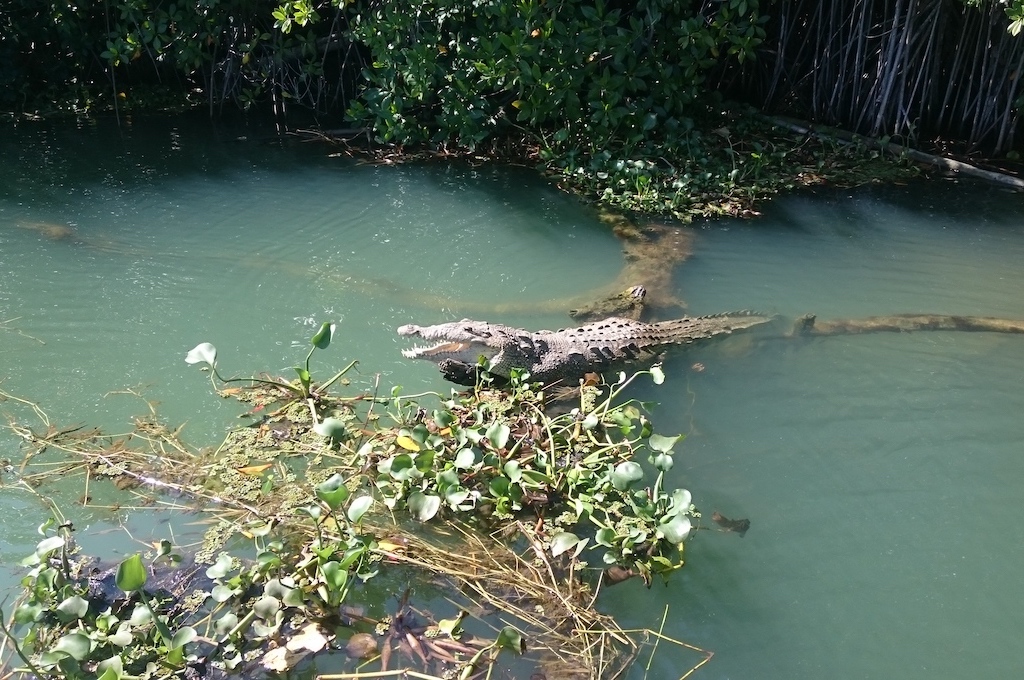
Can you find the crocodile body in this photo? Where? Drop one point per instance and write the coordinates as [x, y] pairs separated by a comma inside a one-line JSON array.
[[566, 354]]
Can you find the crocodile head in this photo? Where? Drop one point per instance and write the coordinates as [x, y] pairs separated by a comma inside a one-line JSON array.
[[461, 341]]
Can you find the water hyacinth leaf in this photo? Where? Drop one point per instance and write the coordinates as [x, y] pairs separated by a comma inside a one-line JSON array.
[[455, 496], [304, 377], [332, 428], [28, 613], [663, 462], [267, 607], [452, 627], [511, 469], [499, 486], [220, 568], [75, 645], [606, 537], [358, 507], [510, 638], [334, 575], [333, 491], [183, 636], [106, 621], [676, 530], [111, 668], [203, 353], [662, 443], [424, 461], [626, 474], [221, 593], [323, 337], [48, 545], [123, 637], [444, 418], [131, 574], [465, 459], [402, 467], [563, 541], [140, 616], [447, 478], [74, 607], [225, 624], [423, 506], [497, 434], [681, 500]]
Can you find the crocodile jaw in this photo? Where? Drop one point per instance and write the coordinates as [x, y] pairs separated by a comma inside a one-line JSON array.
[[467, 350]]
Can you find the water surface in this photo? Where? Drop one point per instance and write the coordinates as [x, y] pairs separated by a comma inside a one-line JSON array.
[[881, 474]]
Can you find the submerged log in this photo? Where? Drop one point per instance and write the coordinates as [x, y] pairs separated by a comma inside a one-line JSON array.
[[905, 323]]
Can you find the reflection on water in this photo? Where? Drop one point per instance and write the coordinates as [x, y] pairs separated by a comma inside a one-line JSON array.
[[881, 474]]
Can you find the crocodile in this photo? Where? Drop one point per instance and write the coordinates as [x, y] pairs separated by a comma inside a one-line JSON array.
[[566, 354]]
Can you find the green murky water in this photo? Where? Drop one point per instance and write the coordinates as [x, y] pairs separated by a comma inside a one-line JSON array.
[[882, 474]]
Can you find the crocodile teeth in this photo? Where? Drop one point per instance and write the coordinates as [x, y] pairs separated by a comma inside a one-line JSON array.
[[440, 348]]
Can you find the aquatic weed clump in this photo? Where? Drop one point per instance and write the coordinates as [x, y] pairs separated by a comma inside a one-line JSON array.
[[319, 495]]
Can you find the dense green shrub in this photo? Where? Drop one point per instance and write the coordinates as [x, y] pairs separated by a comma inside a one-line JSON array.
[[580, 76]]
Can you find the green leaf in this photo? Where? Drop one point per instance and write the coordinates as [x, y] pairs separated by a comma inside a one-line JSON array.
[[605, 537], [203, 353], [626, 474], [402, 467], [48, 545], [111, 669], [183, 636], [220, 568], [358, 507], [131, 574], [304, 378], [676, 530], [563, 541], [444, 418], [511, 469], [75, 645], [335, 576], [662, 443], [465, 459], [323, 337], [332, 428], [452, 627], [140, 616], [267, 607], [423, 506], [74, 607], [681, 500], [123, 637], [28, 612], [662, 462], [224, 624], [222, 593], [333, 491], [455, 496], [499, 486], [510, 638], [497, 434]]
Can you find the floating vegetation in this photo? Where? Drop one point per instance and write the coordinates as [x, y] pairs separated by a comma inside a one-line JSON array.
[[486, 495]]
